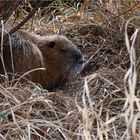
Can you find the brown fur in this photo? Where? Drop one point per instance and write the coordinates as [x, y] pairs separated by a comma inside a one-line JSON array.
[[58, 55]]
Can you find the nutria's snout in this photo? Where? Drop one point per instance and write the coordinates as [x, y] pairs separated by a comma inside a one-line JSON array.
[[79, 58], [78, 63], [82, 61]]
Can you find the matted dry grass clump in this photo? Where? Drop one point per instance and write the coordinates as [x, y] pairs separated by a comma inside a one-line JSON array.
[[104, 101]]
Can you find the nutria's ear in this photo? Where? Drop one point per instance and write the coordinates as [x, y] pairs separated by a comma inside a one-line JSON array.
[[51, 44]]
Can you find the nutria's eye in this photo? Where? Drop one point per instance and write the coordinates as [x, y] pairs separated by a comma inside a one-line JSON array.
[[51, 44]]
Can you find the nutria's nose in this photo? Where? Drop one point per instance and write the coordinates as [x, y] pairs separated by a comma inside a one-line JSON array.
[[82, 61], [79, 58]]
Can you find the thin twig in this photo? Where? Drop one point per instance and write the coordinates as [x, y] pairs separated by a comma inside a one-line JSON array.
[[24, 21]]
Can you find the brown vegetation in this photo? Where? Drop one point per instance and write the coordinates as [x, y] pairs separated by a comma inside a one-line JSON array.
[[104, 101]]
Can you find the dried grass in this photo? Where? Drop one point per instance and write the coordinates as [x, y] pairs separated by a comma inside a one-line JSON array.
[[104, 101]]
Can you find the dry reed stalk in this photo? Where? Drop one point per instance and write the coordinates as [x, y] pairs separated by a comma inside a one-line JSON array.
[[132, 103]]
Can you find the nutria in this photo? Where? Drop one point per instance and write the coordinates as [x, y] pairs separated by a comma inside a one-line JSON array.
[[58, 55]]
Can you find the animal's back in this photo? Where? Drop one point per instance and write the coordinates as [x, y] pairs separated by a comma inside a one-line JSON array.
[[20, 57]]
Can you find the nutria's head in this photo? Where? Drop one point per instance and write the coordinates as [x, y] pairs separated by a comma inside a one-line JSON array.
[[61, 57]]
